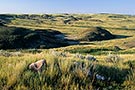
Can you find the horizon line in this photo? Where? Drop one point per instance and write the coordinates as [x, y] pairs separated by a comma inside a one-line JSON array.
[[72, 13]]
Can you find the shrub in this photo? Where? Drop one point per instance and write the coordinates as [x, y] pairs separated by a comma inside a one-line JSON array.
[[113, 58]]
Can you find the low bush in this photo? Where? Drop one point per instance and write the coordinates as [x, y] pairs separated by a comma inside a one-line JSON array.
[[113, 58]]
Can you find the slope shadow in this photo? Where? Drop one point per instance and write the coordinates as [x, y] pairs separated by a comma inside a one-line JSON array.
[[86, 43], [55, 38], [115, 37], [22, 38], [121, 36]]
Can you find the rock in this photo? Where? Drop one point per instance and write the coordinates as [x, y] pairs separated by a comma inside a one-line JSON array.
[[90, 58], [38, 66], [100, 77]]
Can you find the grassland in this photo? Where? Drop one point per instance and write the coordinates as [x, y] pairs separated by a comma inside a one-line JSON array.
[[119, 73]]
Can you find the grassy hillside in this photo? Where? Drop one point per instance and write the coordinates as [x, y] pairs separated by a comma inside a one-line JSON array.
[[21, 38], [111, 62]]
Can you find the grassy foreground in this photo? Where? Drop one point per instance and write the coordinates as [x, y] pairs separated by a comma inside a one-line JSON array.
[[58, 74]]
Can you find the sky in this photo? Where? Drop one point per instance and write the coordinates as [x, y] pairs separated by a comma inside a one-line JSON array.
[[67, 6]]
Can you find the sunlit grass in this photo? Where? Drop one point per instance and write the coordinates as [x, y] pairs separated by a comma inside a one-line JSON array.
[[14, 72]]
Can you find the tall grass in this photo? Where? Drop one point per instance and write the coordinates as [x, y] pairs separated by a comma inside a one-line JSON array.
[[14, 73], [118, 74]]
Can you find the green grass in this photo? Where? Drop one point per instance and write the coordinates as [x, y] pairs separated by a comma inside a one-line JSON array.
[[58, 77], [15, 75], [98, 51]]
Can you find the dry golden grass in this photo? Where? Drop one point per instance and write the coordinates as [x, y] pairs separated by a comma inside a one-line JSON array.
[[14, 73]]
